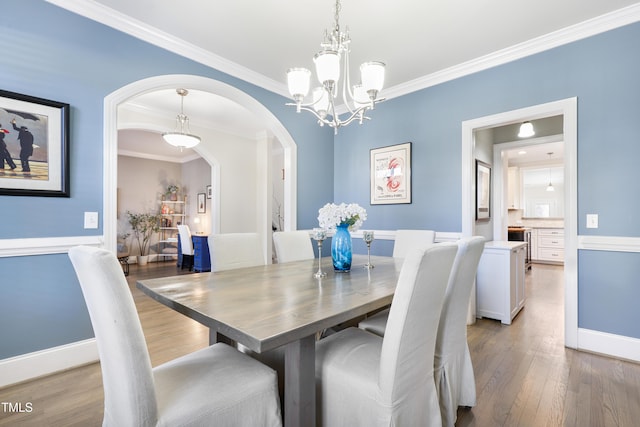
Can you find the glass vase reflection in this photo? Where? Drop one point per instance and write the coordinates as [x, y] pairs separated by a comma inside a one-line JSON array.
[[341, 249]]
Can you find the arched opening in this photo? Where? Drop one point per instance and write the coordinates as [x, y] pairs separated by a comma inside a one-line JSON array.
[[263, 204]]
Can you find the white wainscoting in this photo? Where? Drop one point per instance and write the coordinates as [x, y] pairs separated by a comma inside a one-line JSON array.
[[48, 361], [602, 342], [33, 365], [45, 245]]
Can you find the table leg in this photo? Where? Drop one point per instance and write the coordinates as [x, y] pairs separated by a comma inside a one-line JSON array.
[[215, 337], [300, 383]]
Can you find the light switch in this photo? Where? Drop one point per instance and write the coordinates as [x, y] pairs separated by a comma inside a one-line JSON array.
[[592, 220], [91, 220]]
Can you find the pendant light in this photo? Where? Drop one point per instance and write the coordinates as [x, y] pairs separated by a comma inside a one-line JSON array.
[[526, 130], [181, 138], [550, 186]]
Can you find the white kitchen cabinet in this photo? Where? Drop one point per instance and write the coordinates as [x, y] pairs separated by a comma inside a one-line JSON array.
[[500, 281], [550, 245], [513, 188]]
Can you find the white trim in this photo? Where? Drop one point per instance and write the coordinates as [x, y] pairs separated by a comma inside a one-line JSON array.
[[107, 16], [567, 108], [609, 344], [573, 33], [45, 362], [128, 25], [441, 236], [45, 245], [149, 156], [609, 243]]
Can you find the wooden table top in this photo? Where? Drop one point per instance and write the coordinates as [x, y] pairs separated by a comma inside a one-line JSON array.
[[268, 306]]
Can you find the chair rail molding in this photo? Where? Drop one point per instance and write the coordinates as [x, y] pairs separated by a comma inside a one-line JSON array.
[[45, 245]]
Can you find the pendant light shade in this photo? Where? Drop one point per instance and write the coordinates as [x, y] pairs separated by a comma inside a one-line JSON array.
[[181, 137], [550, 186], [526, 130]]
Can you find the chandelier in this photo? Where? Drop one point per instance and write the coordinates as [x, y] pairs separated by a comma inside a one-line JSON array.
[[333, 57], [181, 138]]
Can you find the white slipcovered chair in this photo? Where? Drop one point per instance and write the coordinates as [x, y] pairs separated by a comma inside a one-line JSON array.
[[292, 246], [407, 240], [455, 380], [453, 370], [217, 385], [186, 245], [235, 250], [366, 380]]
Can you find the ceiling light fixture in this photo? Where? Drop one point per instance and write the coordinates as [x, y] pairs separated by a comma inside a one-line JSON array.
[[335, 55], [181, 138], [526, 130], [550, 186]]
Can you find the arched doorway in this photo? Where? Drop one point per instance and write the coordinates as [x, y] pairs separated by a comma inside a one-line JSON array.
[[110, 155]]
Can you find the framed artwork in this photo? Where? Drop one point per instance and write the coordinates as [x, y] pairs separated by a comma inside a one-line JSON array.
[[483, 191], [34, 146], [209, 192], [390, 169], [202, 203]]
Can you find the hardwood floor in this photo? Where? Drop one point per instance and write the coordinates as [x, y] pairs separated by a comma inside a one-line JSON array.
[[524, 375]]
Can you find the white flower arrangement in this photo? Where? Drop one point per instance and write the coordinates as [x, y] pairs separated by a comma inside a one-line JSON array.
[[332, 215]]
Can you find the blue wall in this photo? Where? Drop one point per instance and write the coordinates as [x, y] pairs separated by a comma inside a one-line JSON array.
[[54, 54], [602, 72], [50, 53]]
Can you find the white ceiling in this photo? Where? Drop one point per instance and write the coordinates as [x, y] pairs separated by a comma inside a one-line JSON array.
[[422, 42]]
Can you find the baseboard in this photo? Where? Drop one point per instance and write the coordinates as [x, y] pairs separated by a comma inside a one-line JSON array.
[[37, 364], [609, 344]]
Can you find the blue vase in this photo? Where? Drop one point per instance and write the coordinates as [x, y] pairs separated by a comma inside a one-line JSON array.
[[341, 249]]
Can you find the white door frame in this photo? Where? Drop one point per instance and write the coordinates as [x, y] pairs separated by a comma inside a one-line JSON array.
[[568, 109], [110, 150]]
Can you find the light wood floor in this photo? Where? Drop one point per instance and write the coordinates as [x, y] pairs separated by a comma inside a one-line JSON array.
[[524, 375]]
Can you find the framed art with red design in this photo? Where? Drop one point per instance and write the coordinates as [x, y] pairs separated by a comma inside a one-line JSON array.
[[390, 169]]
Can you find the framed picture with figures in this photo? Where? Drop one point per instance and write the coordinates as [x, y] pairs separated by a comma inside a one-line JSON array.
[[34, 146]]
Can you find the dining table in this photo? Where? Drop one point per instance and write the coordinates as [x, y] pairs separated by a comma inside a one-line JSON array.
[[281, 306]]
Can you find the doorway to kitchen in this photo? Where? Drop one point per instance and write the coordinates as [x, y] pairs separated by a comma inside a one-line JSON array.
[[568, 110]]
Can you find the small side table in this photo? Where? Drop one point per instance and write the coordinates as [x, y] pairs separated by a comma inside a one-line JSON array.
[[123, 258]]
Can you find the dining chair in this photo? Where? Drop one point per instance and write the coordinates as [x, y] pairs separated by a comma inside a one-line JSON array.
[[455, 380], [406, 240], [235, 250], [366, 380], [186, 245], [292, 246], [453, 370], [216, 385]]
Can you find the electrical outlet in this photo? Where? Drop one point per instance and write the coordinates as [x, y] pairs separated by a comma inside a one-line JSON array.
[[91, 220], [592, 220]]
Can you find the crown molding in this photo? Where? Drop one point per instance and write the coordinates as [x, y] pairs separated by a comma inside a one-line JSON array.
[[148, 156], [135, 28], [591, 27], [111, 18]]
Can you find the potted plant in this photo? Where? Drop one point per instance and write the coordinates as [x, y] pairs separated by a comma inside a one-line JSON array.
[[172, 192], [143, 226]]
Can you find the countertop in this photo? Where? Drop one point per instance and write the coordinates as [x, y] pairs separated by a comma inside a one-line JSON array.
[[503, 244]]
